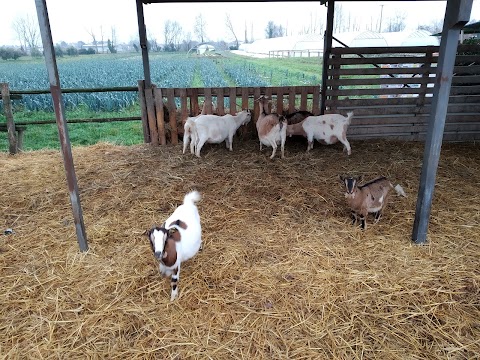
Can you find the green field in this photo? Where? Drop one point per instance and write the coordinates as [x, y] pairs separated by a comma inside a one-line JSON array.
[[119, 70]]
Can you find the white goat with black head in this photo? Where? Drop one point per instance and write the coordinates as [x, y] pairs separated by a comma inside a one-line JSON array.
[[178, 239], [368, 198]]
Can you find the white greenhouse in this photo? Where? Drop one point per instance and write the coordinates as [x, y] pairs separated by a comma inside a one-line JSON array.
[[312, 45]]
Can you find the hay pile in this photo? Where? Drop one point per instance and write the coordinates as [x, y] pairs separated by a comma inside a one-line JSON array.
[[283, 274]]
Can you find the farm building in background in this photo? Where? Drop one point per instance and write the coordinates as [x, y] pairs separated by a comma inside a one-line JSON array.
[[312, 45]]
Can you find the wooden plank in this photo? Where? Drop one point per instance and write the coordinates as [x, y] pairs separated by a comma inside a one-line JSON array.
[[172, 109], [380, 60], [385, 50], [382, 81], [244, 98], [208, 101], [194, 107], [183, 110], [143, 110], [291, 100], [256, 106], [375, 91], [7, 109], [464, 70], [316, 101], [160, 116], [233, 101], [268, 94], [467, 59], [279, 101], [152, 120], [466, 79], [375, 71], [303, 100], [465, 90], [220, 101]]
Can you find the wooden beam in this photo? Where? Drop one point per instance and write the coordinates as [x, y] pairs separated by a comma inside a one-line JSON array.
[[142, 33], [457, 14], [7, 108]]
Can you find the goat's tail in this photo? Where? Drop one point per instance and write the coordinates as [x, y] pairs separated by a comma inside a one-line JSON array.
[[400, 190], [192, 197], [349, 117]]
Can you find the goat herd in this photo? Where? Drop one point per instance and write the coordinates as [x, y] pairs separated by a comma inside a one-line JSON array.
[[180, 236]]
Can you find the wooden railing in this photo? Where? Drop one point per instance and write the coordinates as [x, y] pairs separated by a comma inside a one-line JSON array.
[[165, 109]]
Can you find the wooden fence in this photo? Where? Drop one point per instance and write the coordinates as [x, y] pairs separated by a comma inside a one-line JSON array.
[[390, 91], [165, 109]]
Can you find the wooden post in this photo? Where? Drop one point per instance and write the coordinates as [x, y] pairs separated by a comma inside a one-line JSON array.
[[160, 115], [152, 121], [7, 108], [291, 100], [143, 110], [233, 100], [327, 48], [220, 102], [172, 110], [457, 14], [208, 101], [280, 101]]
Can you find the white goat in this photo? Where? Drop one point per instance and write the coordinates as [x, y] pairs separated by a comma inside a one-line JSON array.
[[327, 129], [271, 128], [178, 239], [368, 198], [215, 129], [187, 127]]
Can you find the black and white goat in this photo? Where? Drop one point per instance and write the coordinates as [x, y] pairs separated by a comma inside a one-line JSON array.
[[368, 198], [178, 239]]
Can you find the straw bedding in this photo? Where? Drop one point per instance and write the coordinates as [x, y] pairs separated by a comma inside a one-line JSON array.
[[283, 273]]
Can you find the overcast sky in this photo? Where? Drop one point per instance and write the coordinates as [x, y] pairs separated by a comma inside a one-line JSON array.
[[71, 20]]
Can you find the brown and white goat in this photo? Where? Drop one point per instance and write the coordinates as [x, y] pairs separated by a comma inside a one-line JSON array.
[[271, 128], [368, 198], [327, 129], [177, 240]]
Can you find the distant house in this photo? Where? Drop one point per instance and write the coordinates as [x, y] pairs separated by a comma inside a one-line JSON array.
[[100, 47]]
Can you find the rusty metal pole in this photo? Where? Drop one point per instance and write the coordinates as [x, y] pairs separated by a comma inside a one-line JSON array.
[[66, 149], [142, 34], [457, 15]]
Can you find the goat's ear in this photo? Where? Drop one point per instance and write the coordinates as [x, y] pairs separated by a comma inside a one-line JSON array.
[[147, 233], [341, 178]]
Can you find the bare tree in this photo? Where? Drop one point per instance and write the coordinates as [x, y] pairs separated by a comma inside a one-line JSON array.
[[200, 28], [338, 21], [172, 32], [315, 27], [435, 26], [273, 30], [94, 38], [27, 31], [229, 25], [396, 22]]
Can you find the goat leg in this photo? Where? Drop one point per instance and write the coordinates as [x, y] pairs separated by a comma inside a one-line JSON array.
[[174, 283], [363, 222], [378, 214], [354, 217]]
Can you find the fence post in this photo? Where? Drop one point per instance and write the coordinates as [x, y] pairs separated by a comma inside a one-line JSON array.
[[7, 108], [143, 109]]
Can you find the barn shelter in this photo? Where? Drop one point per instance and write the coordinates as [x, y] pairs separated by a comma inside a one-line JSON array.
[[456, 16]]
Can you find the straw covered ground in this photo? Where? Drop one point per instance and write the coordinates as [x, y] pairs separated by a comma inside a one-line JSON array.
[[283, 274]]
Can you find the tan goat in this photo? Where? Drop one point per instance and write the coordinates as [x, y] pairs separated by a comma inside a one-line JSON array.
[[368, 198]]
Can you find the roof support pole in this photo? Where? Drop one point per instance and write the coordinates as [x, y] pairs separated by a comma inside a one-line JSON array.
[[327, 49], [142, 33], [457, 14], [66, 149]]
